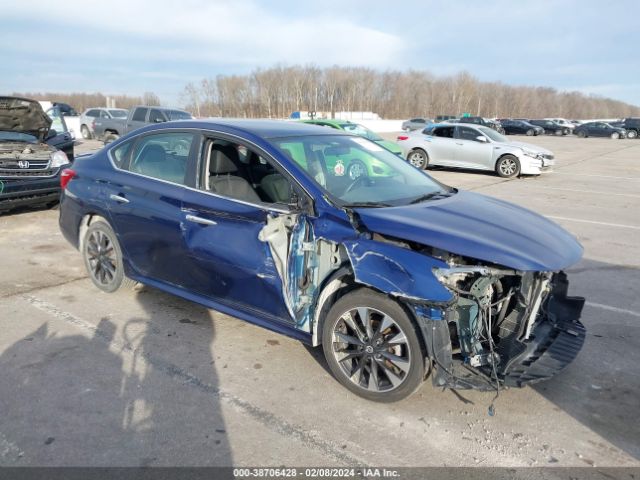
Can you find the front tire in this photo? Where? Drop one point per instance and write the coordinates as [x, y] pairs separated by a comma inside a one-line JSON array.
[[418, 158], [582, 134], [632, 134], [615, 135], [508, 166], [103, 258], [558, 132], [530, 133], [372, 347]]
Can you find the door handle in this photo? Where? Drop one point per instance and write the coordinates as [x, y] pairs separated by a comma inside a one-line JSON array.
[[200, 220], [118, 198]]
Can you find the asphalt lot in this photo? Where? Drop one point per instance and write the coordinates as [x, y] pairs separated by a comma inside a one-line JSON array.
[[144, 378]]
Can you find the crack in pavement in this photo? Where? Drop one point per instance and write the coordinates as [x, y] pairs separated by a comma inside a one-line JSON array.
[[41, 287], [172, 370]]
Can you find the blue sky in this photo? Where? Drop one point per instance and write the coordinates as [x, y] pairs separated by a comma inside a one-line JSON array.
[[136, 46]]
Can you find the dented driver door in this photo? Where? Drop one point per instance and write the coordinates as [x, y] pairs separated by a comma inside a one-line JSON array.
[[227, 260]]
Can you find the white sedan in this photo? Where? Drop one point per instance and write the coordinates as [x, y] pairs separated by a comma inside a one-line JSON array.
[[473, 147]]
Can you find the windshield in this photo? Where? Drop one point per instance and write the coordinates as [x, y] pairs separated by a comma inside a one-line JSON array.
[[493, 135], [118, 113], [6, 135], [354, 171], [178, 115], [360, 130]]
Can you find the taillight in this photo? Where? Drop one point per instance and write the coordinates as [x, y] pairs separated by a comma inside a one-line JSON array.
[[403, 137], [66, 176]]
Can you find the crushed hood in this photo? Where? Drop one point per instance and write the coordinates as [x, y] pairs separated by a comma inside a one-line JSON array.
[[24, 116], [529, 146], [479, 227]]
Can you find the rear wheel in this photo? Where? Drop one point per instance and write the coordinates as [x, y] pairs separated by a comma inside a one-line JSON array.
[[110, 137], [103, 258], [615, 135], [418, 158], [508, 166], [582, 134], [86, 134], [558, 132], [372, 347], [632, 134]]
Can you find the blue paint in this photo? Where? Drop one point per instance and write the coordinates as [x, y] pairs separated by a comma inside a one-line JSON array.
[[482, 228]]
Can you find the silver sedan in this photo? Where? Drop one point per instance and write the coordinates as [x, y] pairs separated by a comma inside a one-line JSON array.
[[473, 147]]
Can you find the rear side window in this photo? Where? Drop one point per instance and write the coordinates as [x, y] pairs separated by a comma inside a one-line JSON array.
[[120, 154], [162, 156], [93, 113], [139, 115], [446, 132]]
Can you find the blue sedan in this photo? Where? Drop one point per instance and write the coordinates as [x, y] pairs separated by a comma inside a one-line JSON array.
[[395, 275]]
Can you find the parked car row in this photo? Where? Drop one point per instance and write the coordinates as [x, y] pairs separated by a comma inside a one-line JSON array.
[[108, 124]]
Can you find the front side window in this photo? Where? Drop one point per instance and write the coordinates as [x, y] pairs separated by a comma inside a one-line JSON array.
[[139, 115], [156, 116], [238, 172], [118, 112], [355, 171], [163, 156], [466, 133]]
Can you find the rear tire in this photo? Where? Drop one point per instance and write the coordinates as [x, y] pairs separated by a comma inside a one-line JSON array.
[[84, 131], [632, 134], [558, 132], [582, 134], [372, 347], [418, 158], [508, 166], [103, 259], [110, 137]]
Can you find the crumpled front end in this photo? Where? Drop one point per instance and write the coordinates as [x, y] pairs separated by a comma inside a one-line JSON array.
[[503, 327]]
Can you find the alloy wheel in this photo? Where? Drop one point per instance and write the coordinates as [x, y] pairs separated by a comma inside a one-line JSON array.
[[371, 349], [102, 257], [417, 159], [508, 167]]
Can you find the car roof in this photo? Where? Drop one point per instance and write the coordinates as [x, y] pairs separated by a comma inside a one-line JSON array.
[[331, 121], [261, 128]]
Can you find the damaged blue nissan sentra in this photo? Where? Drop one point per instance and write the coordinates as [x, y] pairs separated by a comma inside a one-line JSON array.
[[395, 274]]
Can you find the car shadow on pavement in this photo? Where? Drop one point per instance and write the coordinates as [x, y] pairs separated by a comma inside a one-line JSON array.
[[117, 395], [601, 387]]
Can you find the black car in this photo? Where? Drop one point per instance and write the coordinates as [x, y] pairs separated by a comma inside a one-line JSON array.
[[632, 126], [65, 109], [599, 129], [550, 127], [512, 127], [484, 122], [30, 162]]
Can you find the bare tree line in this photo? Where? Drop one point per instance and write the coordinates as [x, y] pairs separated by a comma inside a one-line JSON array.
[[82, 101], [277, 91]]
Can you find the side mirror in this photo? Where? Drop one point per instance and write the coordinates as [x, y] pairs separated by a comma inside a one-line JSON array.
[[52, 133], [481, 138]]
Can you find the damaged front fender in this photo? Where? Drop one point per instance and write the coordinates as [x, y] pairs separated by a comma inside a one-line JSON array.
[[397, 271]]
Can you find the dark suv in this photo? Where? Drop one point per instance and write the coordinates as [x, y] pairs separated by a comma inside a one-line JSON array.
[[31, 153], [483, 121], [632, 126]]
